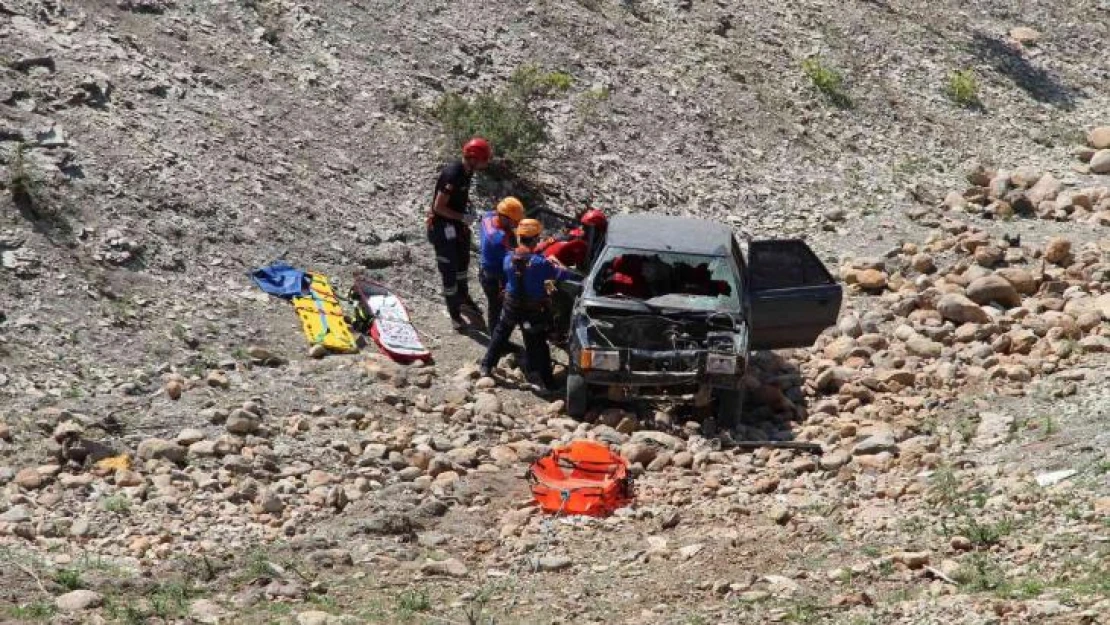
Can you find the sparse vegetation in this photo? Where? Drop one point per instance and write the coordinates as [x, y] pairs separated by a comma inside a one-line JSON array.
[[503, 118], [34, 611], [827, 80], [963, 88], [411, 602], [979, 573], [944, 486], [69, 579], [120, 504], [530, 81]]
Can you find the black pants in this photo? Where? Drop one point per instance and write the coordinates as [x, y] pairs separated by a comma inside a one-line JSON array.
[[451, 240], [533, 325], [492, 286]]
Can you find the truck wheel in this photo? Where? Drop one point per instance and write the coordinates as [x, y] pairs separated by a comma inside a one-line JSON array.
[[578, 396], [730, 406]]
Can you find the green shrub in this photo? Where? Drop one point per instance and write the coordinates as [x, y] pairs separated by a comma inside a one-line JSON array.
[[504, 119], [531, 81], [827, 80], [22, 182], [70, 579], [963, 88]]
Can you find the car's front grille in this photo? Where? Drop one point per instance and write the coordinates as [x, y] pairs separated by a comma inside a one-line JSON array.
[[684, 361]]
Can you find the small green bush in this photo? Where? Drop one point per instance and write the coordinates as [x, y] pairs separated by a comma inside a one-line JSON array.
[[413, 601], [70, 579], [22, 182], [827, 80], [963, 88], [504, 119], [531, 81]]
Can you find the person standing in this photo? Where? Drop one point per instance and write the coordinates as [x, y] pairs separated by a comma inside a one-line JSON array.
[[526, 304], [449, 229], [496, 239]]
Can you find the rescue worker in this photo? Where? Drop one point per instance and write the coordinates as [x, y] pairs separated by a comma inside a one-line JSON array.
[[449, 230], [496, 239], [572, 247], [526, 304]]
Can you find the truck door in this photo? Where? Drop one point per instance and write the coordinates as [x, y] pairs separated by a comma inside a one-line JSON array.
[[792, 294]]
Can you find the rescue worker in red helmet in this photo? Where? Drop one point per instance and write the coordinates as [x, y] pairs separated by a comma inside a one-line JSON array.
[[449, 230], [572, 247], [527, 304], [496, 240]]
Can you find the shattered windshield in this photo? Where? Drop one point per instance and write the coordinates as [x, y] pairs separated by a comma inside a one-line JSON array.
[[667, 279]]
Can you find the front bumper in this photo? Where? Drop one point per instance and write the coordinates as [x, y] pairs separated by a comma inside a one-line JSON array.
[[668, 368]]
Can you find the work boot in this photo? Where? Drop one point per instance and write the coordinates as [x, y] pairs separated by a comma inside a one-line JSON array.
[[484, 371], [458, 323]]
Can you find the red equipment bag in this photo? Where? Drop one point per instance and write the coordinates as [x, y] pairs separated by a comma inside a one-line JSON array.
[[582, 478]]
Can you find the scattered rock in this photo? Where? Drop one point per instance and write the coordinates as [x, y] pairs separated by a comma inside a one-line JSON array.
[[450, 567], [161, 449], [960, 309], [29, 479], [1025, 36], [16, 514], [1057, 251], [876, 444], [78, 600], [993, 289], [1100, 162], [551, 563]]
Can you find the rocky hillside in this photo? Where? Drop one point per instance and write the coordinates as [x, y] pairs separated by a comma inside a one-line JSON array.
[[153, 152]]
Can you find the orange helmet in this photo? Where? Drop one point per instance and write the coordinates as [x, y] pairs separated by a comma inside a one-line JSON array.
[[512, 208], [529, 229]]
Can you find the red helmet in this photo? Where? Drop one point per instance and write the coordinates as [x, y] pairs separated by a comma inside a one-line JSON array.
[[594, 217], [478, 149]]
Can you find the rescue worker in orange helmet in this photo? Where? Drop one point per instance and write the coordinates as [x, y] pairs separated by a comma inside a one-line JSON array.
[[496, 240], [526, 304], [449, 230]]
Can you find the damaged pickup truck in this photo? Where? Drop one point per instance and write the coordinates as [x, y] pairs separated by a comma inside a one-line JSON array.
[[671, 308]]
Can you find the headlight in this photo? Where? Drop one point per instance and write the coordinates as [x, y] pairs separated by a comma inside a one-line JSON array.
[[603, 360], [720, 364]]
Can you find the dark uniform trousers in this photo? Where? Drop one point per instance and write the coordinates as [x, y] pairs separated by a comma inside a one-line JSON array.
[[533, 318], [451, 240], [492, 286]]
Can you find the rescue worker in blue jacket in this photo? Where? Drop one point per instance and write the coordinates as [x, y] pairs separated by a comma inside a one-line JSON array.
[[527, 304], [496, 240]]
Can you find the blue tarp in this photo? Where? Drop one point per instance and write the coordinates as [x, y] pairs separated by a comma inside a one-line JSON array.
[[281, 280]]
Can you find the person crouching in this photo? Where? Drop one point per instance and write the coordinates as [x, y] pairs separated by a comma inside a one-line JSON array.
[[526, 304]]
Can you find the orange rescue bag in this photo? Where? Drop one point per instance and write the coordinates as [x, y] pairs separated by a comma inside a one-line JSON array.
[[582, 478]]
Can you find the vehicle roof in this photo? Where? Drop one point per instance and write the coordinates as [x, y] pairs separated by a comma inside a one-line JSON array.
[[670, 234]]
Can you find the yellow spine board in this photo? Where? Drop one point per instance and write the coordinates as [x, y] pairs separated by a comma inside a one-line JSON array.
[[335, 335]]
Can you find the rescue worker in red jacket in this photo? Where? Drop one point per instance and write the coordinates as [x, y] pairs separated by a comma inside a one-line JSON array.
[[449, 230], [496, 240], [572, 247], [527, 304]]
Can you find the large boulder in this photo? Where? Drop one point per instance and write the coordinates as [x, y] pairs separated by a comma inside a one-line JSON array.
[[959, 309], [993, 289]]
